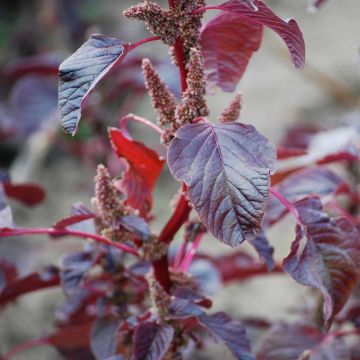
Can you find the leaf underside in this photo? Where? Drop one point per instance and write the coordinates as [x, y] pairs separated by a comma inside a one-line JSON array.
[[80, 73], [227, 169]]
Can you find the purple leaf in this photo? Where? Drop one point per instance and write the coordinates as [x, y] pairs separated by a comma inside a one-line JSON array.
[[136, 224], [318, 181], [103, 340], [330, 258], [231, 332], [6, 218], [74, 266], [80, 73], [227, 44], [227, 169], [291, 341], [151, 341], [264, 249], [33, 103], [288, 30]]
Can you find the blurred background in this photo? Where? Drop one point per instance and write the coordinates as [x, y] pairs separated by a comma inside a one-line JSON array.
[[36, 35]]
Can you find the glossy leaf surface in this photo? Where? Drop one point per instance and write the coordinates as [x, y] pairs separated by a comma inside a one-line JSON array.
[[227, 170], [80, 73]]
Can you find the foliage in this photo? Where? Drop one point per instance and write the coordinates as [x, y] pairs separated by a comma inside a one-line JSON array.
[[126, 296]]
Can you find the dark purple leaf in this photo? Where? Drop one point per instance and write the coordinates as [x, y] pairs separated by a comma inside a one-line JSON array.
[[231, 332], [227, 169], [264, 249], [318, 181], [28, 194], [291, 341], [43, 64], [80, 73], [33, 103], [136, 224], [151, 341], [206, 275], [288, 30], [8, 273], [103, 341], [74, 266], [227, 44], [144, 168], [330, 258]]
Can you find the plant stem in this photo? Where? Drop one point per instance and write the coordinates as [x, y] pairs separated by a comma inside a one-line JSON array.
[[125, 119], [287, 204], [191, 253], [66, 232], [144, 41], [25, 346]]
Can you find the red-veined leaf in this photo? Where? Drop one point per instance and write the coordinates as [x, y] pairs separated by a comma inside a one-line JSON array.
[[80, 73], [144, 168], [227, 170], [330, 258], [227, 44]]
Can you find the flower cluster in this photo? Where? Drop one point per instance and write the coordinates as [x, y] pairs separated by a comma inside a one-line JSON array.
[[232, 112]]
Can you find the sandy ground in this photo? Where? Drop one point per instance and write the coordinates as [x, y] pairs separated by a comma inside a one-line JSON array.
[[275, 95]]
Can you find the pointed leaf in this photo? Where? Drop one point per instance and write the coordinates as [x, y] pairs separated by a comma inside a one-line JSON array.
[[136, 224], [291, 341], [227, 169], [231, 332], [227, 44], [80, 73], [144, 168], [264, 249], [330, 259], [288, 30], [151, 341]]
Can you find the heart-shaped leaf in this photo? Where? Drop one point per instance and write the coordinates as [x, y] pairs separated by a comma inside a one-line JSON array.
[[227, 43], [330, 259], [227, 169], [144, 168], [80, 73], [288, 30]]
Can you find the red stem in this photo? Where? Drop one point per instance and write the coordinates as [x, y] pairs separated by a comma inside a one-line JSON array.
[[25, 346], [143, 41], [287, 204], [124, 120], [191, 253], [182, 211], [66, 232]]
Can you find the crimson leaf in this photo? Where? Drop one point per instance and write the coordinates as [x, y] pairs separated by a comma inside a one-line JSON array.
[[227, 169], [330, 259], [144, 168], [151, 341], [227, 44], [288, 30], [80, 73], [8, 273], [291, 341], [29, 194]]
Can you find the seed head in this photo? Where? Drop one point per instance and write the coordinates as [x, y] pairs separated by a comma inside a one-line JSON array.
[[232, 112]]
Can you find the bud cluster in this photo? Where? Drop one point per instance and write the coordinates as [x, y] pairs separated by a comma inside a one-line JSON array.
[[232, 112]]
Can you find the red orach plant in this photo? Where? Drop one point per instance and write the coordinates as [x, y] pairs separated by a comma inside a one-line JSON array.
[[147, 299]]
